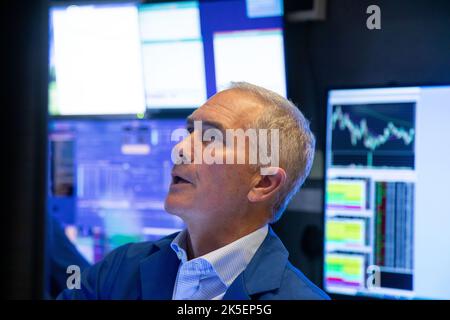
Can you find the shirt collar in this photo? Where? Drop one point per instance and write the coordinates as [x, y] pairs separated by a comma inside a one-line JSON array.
[[178, 244], [229, 261]]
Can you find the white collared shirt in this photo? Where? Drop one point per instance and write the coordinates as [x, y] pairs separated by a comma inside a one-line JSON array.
[[208, 277]]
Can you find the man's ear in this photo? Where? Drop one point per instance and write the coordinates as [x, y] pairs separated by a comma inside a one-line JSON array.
[[267, 185]]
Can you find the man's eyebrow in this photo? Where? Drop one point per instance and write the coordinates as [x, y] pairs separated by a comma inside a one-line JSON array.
[[210, 123]]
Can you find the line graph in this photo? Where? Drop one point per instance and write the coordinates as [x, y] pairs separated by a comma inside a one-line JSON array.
[[373, 135], [361, 131]]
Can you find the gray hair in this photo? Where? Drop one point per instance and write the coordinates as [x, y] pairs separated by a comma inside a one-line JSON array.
[[297, 142]]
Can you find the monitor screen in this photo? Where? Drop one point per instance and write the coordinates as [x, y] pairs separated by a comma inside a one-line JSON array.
[[108, 180], [172, 51], [386, 214], [125, 58], [95, 60], [193, 49]]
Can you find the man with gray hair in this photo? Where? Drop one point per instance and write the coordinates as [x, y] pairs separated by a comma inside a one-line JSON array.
[[228, 250]]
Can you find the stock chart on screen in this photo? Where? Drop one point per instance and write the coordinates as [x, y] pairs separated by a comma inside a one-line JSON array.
[[387, 173], [389, 141], [108, 180]]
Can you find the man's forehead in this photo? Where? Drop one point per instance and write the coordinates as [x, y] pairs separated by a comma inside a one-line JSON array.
[[232, 108]]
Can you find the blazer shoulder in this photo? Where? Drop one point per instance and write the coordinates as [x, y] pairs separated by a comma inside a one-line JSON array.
[[296, 286]]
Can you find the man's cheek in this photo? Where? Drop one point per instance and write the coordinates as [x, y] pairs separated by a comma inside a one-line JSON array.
[[213, 177]]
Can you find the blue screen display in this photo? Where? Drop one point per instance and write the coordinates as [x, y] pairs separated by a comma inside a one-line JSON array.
[[108, 181]]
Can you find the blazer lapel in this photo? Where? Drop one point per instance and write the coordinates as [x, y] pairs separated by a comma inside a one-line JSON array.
[[264, 272], [158, 273], [237, 290]]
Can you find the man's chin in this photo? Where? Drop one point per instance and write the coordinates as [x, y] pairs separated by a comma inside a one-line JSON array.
[[174, 206]]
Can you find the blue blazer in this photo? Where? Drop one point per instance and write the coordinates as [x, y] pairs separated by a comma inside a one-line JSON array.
[[148, 270]]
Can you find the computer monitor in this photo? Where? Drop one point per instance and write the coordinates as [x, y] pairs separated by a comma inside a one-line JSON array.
[[387, 218], [95, 60], [172, 51], [123, 58], [192, 49], [108, 180]]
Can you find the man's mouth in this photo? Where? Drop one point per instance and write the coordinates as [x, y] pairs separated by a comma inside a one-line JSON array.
[[179, 180]]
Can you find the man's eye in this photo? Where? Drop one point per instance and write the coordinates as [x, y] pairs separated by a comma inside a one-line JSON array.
[[211, 138], [208, 141], [190, 129]]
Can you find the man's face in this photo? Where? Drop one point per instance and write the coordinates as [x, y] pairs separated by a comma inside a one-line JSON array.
[[213, 191]]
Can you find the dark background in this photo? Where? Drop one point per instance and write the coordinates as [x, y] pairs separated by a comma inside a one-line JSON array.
[[412, 47], [24, 85]]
